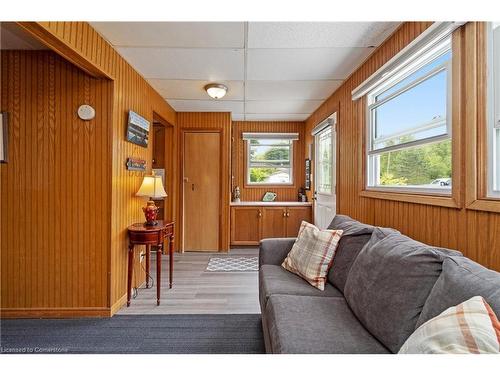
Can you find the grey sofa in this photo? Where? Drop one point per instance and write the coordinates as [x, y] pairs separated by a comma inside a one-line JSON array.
[[381, 287]]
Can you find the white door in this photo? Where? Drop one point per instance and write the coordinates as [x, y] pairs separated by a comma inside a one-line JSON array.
[[324, 170]]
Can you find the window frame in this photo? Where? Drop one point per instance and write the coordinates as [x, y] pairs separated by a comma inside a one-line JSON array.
[[492, 112], [248, 165], [442, 47]]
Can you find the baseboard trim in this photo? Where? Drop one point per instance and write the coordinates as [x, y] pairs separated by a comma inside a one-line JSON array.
[[118, 304], [56, 312]]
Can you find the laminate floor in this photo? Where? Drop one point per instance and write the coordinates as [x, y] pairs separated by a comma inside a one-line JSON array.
[[197, 291]]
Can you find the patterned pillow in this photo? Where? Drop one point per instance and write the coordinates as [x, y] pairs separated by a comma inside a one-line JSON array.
[[470, 327], [312, 254]]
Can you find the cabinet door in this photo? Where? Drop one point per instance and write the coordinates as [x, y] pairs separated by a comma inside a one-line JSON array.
[[295, 216], [274, 222], [246, 225]]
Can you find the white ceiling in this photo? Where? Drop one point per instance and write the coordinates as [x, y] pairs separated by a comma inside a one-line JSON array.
[[274, 70]]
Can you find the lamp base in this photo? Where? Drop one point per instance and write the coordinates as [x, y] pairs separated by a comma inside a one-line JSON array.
[[150, 213]]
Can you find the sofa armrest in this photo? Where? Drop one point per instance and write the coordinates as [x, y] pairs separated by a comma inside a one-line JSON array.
[[274, 250]]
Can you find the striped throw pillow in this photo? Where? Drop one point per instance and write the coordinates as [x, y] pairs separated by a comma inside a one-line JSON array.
[[312, 254], [471, 327]]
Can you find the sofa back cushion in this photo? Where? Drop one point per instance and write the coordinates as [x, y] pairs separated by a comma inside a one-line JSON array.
[[460, 280], [349, 226], [389, 283], [347, 251], [355, 236]]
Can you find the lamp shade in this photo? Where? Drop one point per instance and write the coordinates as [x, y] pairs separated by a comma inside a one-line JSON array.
[[152, 186]]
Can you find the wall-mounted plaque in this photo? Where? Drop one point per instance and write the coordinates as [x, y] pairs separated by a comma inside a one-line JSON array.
[[134, 164], [307, 184], [4, 136], [137, 129]]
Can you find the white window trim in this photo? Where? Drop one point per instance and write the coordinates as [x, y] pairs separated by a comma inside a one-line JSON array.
[[288, 136], [493, 109], [441, 47]]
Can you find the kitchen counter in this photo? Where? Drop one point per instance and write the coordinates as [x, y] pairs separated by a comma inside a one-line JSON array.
[[279, 204]]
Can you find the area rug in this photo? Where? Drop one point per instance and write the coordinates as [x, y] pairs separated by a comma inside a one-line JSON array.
[[162, 334], [233, 264]]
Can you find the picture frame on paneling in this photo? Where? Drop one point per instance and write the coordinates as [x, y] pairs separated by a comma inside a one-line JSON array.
[[4, 137], [307, 184]]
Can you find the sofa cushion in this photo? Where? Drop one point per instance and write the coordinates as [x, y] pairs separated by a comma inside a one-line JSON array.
[[347, 251], [468, 328], [389, 283], [304, 324], [349, 226], [460, 280], [276, 280], [312, 254]]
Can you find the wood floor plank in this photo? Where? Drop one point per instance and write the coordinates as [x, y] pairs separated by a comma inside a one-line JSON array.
[[197, 291]]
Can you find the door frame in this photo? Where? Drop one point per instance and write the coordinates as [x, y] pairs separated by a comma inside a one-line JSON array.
[[170, 206], [335, 145], [180, 227]]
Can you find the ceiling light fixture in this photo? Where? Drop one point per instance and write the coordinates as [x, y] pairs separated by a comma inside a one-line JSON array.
[[216, 90]]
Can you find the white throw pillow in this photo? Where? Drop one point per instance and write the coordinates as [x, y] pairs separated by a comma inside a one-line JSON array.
[[312, 254], [470, 327]]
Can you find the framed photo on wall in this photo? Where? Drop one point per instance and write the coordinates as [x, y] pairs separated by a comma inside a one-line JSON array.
[[4, 136], [307, 184]]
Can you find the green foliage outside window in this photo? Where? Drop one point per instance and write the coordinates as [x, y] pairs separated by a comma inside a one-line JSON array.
[[416, 166]]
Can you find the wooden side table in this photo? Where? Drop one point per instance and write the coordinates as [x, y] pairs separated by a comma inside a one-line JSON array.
[[140, 234]]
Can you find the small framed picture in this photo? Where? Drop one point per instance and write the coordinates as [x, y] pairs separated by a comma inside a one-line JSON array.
[[269, 196], [4, 136], [308, 175]]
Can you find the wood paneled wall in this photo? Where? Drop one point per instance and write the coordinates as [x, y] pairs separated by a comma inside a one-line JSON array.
[[475, 233], [55, 188], [83, 46], [289, 193], [219, 121]]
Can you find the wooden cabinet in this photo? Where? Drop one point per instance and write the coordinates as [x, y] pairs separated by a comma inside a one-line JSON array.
[[250, 224], [294, 217], [246, 223], [274, 222]]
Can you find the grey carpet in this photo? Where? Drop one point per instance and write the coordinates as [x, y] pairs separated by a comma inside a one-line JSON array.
[[167, 334]]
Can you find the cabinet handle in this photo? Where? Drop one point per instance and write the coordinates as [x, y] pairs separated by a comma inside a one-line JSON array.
[[259, 214], [288, 214], [284, 213]]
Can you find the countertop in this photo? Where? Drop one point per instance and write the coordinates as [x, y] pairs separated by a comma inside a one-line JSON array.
[[280, 204]]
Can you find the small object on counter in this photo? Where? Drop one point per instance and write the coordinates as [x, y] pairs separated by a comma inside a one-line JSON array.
[[269, 196], [302, 195], [237, 195]]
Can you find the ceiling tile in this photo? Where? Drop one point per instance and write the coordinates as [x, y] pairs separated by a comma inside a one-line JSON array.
[[206, 105], [303, 64], [173, 34], [193, 89], [237, 117], [187, 63], [277, 116], [290, 90], [281, 106], [318, 34]]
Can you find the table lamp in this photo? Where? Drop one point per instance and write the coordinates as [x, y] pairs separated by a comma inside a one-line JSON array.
[[151, 187]]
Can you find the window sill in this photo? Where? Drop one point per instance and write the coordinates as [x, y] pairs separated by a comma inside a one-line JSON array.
[[270, 186], [432, 200], [485, 204]]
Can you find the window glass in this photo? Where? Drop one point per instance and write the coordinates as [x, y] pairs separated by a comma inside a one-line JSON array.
[[269, 161]]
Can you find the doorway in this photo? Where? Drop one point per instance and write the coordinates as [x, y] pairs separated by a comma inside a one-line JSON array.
[[163, 135], [201, 191], [325, 199]]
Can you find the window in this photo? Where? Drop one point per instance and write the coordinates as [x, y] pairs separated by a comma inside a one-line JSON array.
[[493, 122], [409, 125], [324, 162], [270, 158]]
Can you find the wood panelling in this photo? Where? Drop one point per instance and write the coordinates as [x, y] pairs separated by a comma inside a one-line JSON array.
[[475, 233], [289, 193], [207, 121], [55, 188], [128, 91]]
